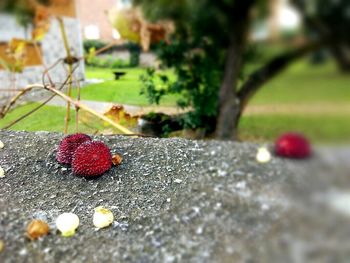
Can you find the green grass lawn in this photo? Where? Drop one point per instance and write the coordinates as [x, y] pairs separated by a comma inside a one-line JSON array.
[[329, 129], [51, 118], [302, 83], [255, 128], [299, 84], [48, 118], [126, 90]]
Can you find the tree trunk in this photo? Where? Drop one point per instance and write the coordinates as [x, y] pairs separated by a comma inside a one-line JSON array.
[[235, 102], [228, 102], [229, 105]]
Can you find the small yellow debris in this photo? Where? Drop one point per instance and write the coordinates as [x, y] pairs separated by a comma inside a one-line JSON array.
[[67, 223], [2, 172], [117, 159], [263, 155], [37, 228], [1, 145], [103, 217], [2, 245]]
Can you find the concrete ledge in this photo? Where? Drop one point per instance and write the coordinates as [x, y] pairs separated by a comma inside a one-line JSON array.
[[174, 200]]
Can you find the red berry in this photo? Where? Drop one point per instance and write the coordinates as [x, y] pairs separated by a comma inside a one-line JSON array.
[[92, 159], [68, 145], [293, 145]]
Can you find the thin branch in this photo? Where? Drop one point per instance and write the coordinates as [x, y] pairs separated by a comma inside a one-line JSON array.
[[76, 108], [137, 135], [17, 97], [88, 109], [271, 69], [99, 51], [106, 47], [13, 101], [46, 71], [28, 113], [96, 131], [70, 69], [69, 81], [64, 37], [82, 106]]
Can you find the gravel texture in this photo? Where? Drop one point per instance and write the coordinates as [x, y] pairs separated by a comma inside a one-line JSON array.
[[176, 200]]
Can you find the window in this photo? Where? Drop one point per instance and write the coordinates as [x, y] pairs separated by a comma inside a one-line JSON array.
[[91, 32]]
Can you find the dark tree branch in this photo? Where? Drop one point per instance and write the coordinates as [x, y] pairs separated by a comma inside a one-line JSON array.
[[272, 68]]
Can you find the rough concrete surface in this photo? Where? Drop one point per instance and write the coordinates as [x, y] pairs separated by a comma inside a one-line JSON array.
[[176, 200]]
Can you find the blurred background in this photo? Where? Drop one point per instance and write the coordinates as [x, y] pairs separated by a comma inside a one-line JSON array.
[[196, 69]]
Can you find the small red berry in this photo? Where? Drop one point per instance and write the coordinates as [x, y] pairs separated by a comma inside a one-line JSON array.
[[92, 159], [292, 145], [68, 145]]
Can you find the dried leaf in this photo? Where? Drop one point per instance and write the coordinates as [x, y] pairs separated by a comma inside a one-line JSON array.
[[131, 26], [41, 23], [16, 52], [16, 47], [118, 114], [36, 229], [117, 159]]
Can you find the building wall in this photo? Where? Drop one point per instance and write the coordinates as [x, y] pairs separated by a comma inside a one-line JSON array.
[[52, 49], [93, 13]]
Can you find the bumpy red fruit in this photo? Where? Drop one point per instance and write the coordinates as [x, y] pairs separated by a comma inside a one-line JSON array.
[[293, 145], [92, 159], [68, 145]]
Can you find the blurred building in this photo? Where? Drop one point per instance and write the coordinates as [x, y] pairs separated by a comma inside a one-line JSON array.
[[51, 47], [94, 20]]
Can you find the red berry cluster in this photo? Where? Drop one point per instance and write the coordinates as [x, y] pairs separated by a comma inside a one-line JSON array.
[[68, 146], [88, 158]]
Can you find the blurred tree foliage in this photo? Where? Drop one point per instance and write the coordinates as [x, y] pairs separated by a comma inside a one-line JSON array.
[[197, 53], [198, 80], [329, 19], [210, 49]]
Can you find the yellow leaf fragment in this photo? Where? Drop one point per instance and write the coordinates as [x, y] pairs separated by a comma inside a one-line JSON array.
[[117, 159]]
